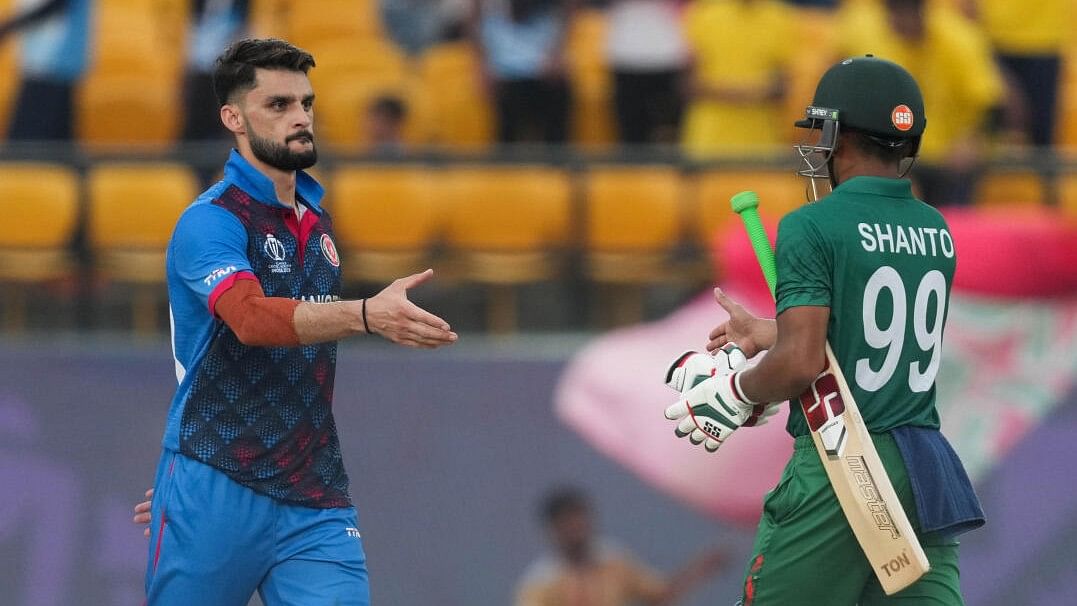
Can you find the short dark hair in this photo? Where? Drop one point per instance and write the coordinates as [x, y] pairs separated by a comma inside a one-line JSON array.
[[235, 68], [561, 501], [391, 107], [891, 150]]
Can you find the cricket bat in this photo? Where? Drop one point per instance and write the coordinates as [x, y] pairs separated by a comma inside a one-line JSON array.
[[852, 464]]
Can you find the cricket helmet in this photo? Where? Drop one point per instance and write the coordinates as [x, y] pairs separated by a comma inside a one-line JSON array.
[[868, 94]]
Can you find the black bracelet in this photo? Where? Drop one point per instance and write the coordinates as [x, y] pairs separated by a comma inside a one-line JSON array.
[[366, 326]]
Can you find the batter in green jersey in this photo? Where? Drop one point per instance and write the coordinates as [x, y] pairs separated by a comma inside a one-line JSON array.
[[867, 268], [883, 263]]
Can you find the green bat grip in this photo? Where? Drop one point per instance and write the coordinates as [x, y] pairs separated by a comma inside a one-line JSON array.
[[746, 205]]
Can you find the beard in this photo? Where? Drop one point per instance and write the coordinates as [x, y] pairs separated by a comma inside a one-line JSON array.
[[279, 156]]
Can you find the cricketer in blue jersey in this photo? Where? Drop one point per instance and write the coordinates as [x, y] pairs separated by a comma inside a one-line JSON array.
[[251, 493]]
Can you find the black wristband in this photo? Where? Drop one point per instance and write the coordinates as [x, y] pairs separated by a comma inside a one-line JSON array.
[[366, 326]]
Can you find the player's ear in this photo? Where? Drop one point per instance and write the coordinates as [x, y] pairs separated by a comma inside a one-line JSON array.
[[232, 119], [843, 143]]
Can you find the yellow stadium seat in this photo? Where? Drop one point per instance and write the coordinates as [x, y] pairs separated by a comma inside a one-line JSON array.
[[268, 18], [633, 219], [1067, 195], [309, 25], [128, 111], [780, 191], [511, 209], [40, 207], [132, 210], [346, 80], [816, 29], [140, 37], [454, 110], [1066, 128], [592, 86], [633, 212], [386, 218], [9, 65], [1018, 188], [507, 227]]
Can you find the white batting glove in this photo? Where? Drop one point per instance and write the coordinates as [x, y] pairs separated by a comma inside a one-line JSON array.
[[711, 411], [692, 367]]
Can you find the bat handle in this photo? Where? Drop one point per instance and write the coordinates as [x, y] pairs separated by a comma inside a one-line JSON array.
[[746, 204]]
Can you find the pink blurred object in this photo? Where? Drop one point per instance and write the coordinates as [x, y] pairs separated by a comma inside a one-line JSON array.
[[1014, 253]]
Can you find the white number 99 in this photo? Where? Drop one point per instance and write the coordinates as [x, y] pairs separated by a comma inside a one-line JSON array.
[[892, 337]]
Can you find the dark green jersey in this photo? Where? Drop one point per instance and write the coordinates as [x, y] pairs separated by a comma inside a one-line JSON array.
[[883, 262]]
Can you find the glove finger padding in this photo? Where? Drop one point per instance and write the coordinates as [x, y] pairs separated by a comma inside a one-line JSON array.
[[677, 410], [697, 437], [685, 427]]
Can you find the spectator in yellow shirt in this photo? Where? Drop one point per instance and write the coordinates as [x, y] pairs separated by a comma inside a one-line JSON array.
[[741, 51], [1029, 41], [585, 571], [952, 61]]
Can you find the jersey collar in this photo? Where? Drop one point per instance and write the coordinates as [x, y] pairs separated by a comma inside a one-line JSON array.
[[877, 186], [248, 178]]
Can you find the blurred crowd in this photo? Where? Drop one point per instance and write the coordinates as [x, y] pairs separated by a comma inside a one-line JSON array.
[[716, 78]]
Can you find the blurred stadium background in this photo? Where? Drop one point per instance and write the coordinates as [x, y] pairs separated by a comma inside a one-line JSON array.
[[567, 174]]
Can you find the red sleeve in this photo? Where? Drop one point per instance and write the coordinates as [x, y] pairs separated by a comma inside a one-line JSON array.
[[256, 319], [225, 285]]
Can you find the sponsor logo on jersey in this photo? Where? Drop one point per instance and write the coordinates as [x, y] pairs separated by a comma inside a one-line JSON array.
[[353, 532], [330, 250], [218, 273], [902, 117], [274, 249]]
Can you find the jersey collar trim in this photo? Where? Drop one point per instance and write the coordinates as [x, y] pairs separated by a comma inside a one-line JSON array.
[[248, 178], [877, 186]]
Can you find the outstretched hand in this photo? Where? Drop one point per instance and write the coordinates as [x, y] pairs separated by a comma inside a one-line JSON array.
[[391, 315], [750, 333], [142, 513]]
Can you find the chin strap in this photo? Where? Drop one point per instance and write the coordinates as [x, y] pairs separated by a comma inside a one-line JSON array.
[[907, 164]]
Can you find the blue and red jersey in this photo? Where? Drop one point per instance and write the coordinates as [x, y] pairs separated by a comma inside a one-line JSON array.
[[261, 415]]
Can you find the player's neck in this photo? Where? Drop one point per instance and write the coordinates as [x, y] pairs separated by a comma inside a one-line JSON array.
[[283, 181], [864, 167], [284, 185]]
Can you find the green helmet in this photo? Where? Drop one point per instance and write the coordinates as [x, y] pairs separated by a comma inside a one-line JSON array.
[[868, 94]]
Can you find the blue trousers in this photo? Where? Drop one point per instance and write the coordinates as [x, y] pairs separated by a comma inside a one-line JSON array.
[[215, 542]]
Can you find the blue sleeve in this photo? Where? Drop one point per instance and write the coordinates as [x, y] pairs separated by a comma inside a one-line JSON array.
[[208, 252]]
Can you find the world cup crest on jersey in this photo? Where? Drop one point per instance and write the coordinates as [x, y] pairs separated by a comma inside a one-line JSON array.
[[330, 250], [275, 250], [902, 117]]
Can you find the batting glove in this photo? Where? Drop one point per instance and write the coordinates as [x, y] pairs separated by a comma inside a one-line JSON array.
[[692, 368], [710, 412]]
